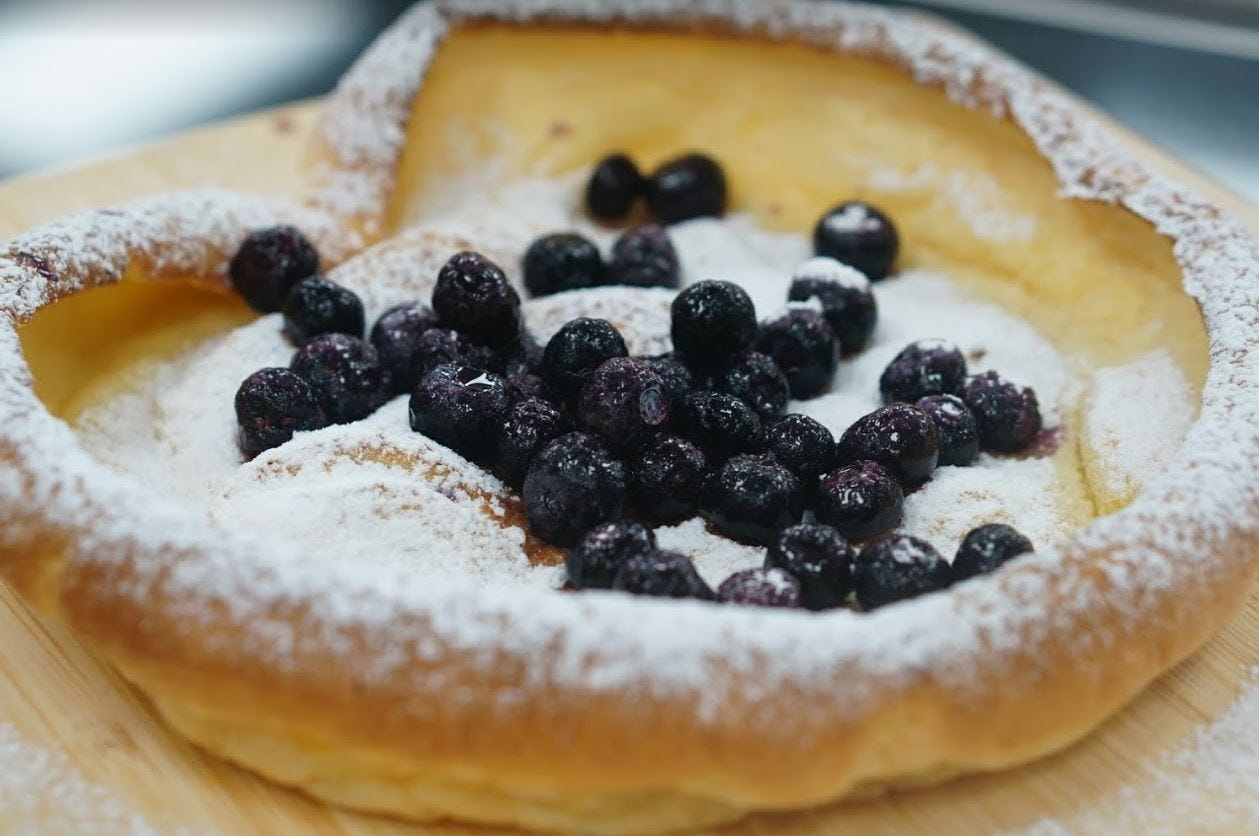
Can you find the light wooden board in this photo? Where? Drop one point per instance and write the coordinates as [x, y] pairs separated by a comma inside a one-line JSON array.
[[56, 694]]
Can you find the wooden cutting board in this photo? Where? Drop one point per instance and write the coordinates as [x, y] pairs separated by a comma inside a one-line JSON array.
[[56, 695]]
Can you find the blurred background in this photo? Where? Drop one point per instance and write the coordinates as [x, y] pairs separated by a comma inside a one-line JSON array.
[[85, 77]]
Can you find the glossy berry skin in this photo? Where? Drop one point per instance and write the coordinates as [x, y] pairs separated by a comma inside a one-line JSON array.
[[752, 497], [803, 446], [346, 374], [271, 405], [662, 574], [1008, 415], [760, 588], [722, 425], [572, 485], [614, 184], [895, 568], [713, 321], [666, 477], [316, 306], [818, 557], [577, 349], [900, 436], [803, 345], [859, 235], [756, 380], [644, 257], [562, 261], [438, 346], [956, 426], [269, 263], [678, 379], [846, 298], [528, 425], [986, 548], [522, 369], [860, 500], [473, 296], [395, 336], [690, 186], [926, 367], [624, 402], [594, 562], [461, 407]]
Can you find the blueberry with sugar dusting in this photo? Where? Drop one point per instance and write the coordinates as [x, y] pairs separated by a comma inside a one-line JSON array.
[[986, 548], [925, 367], [624, 402], [576, 350], [690, 186], [846, 298], [860, 500], [438, 346], [804, 447], [802, 344], [900, 435], [722, 425], [572, 485], [895, 568], [594, 562], [713, 321], [529, 425], [269, 263], [818, 557], [644, 257], [395, 337], [472, 295], [317, 306], [461, 407], [760, 588], [956, 426], [562, 261], [756, 380], [667, 478], [752, 497], [678, 379], [1008, 415], [859, 235], [613, 185], [271, 405], [346, 374], [662, 574]]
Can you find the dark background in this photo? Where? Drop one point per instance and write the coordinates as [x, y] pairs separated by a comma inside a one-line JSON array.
[[84, 77]]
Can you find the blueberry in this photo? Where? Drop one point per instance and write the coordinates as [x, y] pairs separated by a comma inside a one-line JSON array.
[[753, 497], [522, 369], [460, 407], [528, 426], [438, 346], [803, 345], [644, 257], [901, 436], [986, 548], [662, 574], [690, 186], [713, 321], [562, 261], [316, 306], [613, 185], [395, 336], [722, 425], [572, 485], [895, 568], [760, 588], [860, 236], [473, 296], [594, 562], [667, 478], [847, 301], [624, 402], [576, 350], [819, 558], [804, 447], [956, 426], [756, 380], [1008, 415], [861, 500], [271, 405], [926, 367], [677, 376], [346, 374], [269, 263]]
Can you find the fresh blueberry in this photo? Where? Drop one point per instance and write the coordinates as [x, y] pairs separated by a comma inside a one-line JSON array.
[[271, 405], [819, 558], [690, 186], [895, 568], [752, 497], [529, 425], [678, 379], [644, 257], [901, 436], [613, 185], [760, 588], [1008, 415], [572, 485], [473, 296], [756, 380], [346, 374], [662, 574], [461, 407], [860, 500], [438, 346], [576, 350], [722, 425], [803, 345], [860, 236], [713, 321], [803, 446], [846, 298], [986, 548], [395, 337], [926, 367], [269, 263], [624, 402], [316, 306], [594, 562], [667, 478], [562, 261], [956, 426]]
